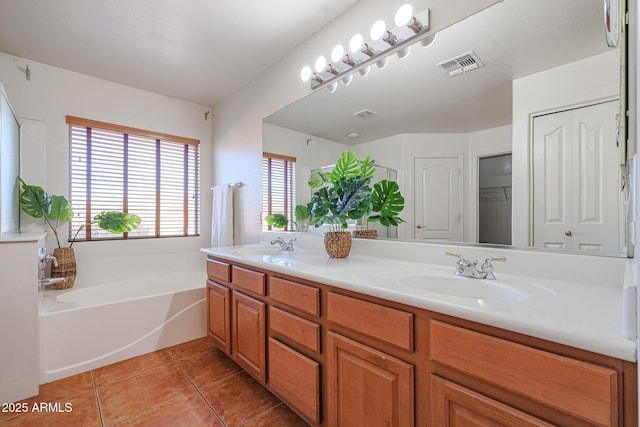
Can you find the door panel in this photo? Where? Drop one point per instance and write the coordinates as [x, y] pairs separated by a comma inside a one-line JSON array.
[[438, 198], [575, 164]]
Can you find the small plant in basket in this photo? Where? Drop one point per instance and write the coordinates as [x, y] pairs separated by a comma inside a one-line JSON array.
[[56, 210]]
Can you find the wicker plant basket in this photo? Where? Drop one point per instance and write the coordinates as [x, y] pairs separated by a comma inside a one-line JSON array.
[[66, 267], [337, 243], [366, 234]]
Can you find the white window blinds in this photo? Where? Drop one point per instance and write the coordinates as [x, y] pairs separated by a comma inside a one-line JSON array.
[[154, 176], [278, 186]]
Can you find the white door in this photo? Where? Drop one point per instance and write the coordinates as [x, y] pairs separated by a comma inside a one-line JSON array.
[[438, 198], [575, 167]]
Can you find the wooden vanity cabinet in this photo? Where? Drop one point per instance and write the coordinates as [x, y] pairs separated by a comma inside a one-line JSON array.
[[583, 390], [339, 358], [295, 346], [237, 313], [365, 384]]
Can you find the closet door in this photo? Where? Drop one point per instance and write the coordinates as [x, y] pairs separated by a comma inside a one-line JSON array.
[[576, 193]]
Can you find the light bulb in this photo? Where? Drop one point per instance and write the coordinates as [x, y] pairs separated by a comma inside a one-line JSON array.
[[404, 52], [381, 63], [355, 43], [347, 79], [305, 74], [428, 41], [336, 53], [403, 15], [332, 87], [321, 62], [364, 71], [377, 29]]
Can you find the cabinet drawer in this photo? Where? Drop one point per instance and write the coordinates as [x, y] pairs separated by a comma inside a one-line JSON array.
[[296, 378], [452, 404], [302, 331], [303, 297], [383, 323], [578, 388], [248, 279], [218, 270]]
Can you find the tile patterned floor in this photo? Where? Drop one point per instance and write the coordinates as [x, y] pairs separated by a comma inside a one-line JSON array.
[[192, 384]]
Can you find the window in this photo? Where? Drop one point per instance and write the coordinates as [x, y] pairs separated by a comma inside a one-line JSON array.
[[154, 176], [278, 186]]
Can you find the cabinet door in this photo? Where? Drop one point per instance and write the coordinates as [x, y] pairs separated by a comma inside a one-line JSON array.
[[453, 405], [248, 334], [296, 378], [367, 387], [219, 316]]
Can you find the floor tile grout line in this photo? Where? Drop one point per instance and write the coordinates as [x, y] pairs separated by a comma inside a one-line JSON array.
[[132, 374], [97, 397], [146, 372], [146, 411], [277, 405], [197, 389]]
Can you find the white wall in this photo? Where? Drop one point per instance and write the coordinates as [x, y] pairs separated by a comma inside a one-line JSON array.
[[42, 105], [553, 90], [237, 132]]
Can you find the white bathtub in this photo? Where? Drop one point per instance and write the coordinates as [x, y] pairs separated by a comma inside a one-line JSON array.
[[88, 327]]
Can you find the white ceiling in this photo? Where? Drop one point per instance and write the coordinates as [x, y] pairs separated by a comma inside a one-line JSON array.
[[196, 50], [513, 39]]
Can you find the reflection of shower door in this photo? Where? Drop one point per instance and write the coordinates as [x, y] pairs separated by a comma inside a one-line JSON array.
[[577, 201], [438, 198]]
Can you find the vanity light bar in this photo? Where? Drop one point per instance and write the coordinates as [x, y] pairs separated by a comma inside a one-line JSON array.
[[384, 42]]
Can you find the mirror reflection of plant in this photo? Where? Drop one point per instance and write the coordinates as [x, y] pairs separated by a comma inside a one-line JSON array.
[[350, 196], [303, 216], [277, 220], [37, 203], [386, 204]]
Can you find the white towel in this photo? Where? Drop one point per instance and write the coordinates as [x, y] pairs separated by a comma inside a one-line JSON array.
[[222, 216]]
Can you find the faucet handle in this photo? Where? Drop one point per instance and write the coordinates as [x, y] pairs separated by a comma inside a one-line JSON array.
[[487, 267]]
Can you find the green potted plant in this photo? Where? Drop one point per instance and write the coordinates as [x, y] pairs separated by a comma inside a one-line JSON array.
[[349, 196], [37, 203]]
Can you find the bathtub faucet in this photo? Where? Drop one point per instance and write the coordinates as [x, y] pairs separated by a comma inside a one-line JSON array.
[[52, 259], [51, 281], [284, 246]]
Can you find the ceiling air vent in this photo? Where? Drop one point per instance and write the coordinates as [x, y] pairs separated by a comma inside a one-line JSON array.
[[461, 64], [365, 114]]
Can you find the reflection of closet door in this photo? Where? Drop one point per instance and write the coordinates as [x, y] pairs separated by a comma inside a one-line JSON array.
[[575, 166], [438, 198]]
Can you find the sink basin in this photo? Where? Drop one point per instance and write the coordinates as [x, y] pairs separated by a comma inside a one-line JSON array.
[[465, 287], [257, 250]]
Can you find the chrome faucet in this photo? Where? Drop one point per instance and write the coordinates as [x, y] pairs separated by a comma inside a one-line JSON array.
[[51, 281], [52, 259], [284, 246], [467, 268]]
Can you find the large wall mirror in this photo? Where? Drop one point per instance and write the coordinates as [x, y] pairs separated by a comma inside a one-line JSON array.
[[520, 150]]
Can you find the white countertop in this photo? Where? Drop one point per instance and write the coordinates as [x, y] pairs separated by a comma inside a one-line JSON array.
[[580, 315]]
